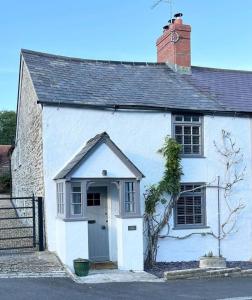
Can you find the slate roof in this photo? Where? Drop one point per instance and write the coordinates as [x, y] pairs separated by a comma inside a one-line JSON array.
[[73, 81], [91, 145]]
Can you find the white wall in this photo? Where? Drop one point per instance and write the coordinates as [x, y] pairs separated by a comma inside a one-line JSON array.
[[71, 241], [139, 135], [130, 244], [103, 158]]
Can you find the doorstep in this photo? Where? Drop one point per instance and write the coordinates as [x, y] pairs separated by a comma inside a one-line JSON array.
[[115, 275]]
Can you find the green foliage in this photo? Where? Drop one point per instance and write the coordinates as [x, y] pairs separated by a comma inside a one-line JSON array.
[[7, 127], [170, 183]]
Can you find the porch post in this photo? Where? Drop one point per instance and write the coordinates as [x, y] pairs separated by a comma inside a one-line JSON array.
[[129, 233]]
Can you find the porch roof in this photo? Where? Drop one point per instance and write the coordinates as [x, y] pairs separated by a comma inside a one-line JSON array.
[[89, 148]]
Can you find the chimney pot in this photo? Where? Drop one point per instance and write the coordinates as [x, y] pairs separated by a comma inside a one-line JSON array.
[[178, 15]]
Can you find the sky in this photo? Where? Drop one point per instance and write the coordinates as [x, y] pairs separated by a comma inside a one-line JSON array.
[[119, 30]]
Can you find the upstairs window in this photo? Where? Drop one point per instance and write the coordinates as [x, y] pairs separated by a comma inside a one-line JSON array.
[[187, 131], [190, 207]]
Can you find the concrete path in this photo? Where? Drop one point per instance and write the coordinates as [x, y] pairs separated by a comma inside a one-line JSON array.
[[108, 276]]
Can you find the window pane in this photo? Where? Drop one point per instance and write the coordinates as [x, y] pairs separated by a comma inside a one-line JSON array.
[[76, 209], [187, 150], [97, 196], [178, 129], [196, 130], [196, 149], [187, 130], [197, 209], [96, 202], [187, 118], [181, 201], [181, 220], [189, 220], [179, 139], [90, 203], [89, 196], [198, 219], [181, 210], [76, 198], [197, 200], [187, 139], [188, 187], [179, 118], [76, 187], [196, 140], [195, 118]]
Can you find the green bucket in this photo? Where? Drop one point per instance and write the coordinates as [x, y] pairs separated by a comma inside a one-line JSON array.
[[81, 267]]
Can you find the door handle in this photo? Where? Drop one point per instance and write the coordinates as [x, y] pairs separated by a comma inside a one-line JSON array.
[[103, 227]]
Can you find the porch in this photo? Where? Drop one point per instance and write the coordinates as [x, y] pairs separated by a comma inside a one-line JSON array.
[[98, 207]]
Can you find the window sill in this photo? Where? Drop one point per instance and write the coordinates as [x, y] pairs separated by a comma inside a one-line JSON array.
[[192, 156], [129, 217], [72, 219], [190, 228]]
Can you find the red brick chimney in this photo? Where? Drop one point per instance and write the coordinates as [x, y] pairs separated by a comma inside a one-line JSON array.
[[174, 46]]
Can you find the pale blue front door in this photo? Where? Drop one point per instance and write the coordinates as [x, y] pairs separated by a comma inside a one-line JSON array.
[[98, 243]]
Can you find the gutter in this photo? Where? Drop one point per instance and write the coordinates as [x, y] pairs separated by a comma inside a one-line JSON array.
[[144, 108]]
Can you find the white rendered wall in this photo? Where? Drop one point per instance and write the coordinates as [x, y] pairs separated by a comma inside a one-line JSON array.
[[139, 135], [71, 241], [130, 244], [103, 158]]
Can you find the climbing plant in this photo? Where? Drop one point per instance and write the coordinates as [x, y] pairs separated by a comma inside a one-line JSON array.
[[160, 198]]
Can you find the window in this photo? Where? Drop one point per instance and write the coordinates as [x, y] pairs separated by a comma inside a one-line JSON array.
[[190, 207], [187, 130], [129, 197], [93, 199], [76, 202], [60, 198]]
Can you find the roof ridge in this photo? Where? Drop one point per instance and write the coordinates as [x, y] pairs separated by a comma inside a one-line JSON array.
[[77, 59], [222, 69]]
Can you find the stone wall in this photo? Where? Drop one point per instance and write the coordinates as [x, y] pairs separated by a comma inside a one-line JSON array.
[[27, 163]]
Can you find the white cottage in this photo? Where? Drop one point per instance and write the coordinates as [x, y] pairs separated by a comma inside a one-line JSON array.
[[87, 138]]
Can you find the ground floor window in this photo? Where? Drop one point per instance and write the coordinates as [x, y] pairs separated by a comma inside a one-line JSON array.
[[76, 198], [129, 197], [190, 207], [60, 198]]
